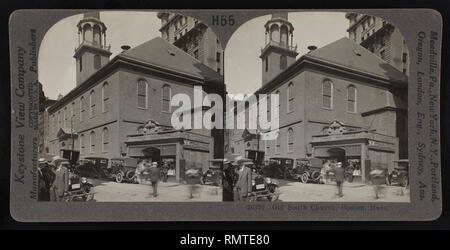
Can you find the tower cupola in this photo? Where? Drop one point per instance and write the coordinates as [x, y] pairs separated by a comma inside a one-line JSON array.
[[279, 51], [92, 52]]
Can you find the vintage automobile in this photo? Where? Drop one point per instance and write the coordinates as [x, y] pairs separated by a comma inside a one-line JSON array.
[[213, 175], [257, 156], [399, 176], [94, 167], [80, 189], [279, 167], [262, 187], [308, 170], [123, 169]]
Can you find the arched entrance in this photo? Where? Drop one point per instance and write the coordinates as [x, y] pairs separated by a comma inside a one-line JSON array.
[[152, 154], [337, 153]]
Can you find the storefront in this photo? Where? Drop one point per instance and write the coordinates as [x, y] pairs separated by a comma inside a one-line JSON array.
[[178, 150], [361, 150]]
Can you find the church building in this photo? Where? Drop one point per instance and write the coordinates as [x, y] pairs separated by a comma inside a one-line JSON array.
[[340, 101], [121, 106]]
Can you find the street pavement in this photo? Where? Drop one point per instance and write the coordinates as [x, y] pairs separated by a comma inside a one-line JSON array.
[[110, 191], [353, 192]]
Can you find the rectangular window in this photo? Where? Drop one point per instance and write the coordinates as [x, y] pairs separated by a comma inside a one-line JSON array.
[[351, 99], [165, 100], [404, 57], [218, 57], [142, 94]]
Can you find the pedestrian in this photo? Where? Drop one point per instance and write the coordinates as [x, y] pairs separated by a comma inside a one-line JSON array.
[[61, 184], [244, 182], [154, 177], [193, 176], [339, 175], [378, 177]]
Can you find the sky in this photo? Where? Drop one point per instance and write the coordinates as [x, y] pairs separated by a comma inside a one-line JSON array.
[[56, 62], [242, 62]]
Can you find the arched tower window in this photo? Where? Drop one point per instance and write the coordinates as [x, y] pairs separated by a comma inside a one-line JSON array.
[[97, 35], [279, 100], [327, 94], [87, 33], [351, 99], [82, 144], [97, 62], [284, 35], [105, 97], [142, 87], [278, 145], [290, 98], [105, 140], [274, 33], [290, 140], [283, 62], [165, 98]]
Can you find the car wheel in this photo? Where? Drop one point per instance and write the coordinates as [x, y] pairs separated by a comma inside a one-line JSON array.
[[119, 177], [304, 178], [315, 176]]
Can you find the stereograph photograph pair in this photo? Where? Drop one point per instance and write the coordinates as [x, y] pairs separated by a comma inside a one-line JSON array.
[[164, 115]]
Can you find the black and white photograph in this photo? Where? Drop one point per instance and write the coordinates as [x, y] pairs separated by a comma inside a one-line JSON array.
[[340, 80], [107, 80]]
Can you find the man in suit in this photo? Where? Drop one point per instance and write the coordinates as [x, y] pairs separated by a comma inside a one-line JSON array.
[[61, 184], [244, 183], [339, 174], [154, 177]]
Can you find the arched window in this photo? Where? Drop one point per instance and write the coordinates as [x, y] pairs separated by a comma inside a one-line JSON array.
[[97, 62], [278, 146], [81, 63], [105, 97], [290, 98], [92, 142], [87, 34], [82, 111], [105, 140], [92, 103], [267, 64], [283, 62], [142, 87], [283, 35], [275, 33], [327, 94], [165, 98], [59, 120], [351, 99], [72, 110], [290, 140], [97, 35], [82, 144]]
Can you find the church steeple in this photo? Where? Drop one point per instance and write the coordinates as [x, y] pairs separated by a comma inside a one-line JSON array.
[[92, 52], [279, 51]]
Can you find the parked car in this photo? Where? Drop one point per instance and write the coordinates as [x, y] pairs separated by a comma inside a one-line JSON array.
[[94, 167], [257, 157], [262, 187], [399, 176], [279, 167], [213, 175], [308, 170], [123, 169]]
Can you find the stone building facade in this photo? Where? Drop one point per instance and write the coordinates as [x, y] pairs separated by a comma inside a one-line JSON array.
[[381, 38], [193, 37]]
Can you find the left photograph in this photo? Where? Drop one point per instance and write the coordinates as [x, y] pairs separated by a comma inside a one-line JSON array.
[[110, 88]]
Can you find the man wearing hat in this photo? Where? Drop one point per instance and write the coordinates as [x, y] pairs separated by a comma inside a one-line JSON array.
[[339, 174], [244, 183], [154, 175], [61, 184]]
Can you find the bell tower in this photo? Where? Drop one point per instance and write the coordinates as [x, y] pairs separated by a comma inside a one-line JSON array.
[[92, 52], [279, 51]]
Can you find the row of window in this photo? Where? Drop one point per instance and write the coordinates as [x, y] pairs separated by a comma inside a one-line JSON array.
[[93, 141], [65, 117], [289, 142], [327, 97]]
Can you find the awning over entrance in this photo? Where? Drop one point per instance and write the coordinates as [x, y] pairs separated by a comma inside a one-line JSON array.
[[328, 151]]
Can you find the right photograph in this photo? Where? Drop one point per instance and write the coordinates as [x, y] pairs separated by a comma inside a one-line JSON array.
[[317, 109]]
